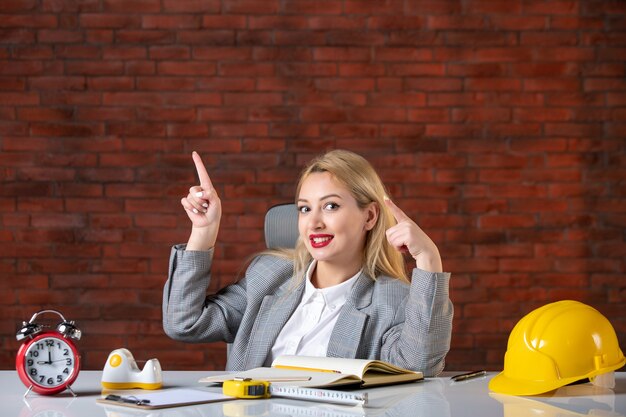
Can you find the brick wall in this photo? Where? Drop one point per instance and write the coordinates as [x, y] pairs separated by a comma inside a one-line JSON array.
[[498, 125]]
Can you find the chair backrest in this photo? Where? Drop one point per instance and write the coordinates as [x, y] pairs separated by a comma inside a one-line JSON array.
[[281, 226]]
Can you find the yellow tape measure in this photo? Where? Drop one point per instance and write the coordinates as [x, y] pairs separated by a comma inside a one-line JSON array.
[[246, 388]]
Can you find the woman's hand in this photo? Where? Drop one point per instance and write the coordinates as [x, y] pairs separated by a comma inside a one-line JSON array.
[[204, 209], [406, 236]]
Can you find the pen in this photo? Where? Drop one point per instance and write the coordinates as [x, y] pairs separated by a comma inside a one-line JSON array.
[[302, 368], [128, 400], [469, 375]]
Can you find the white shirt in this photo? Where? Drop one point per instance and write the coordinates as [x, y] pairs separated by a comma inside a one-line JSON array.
[[308, 330]]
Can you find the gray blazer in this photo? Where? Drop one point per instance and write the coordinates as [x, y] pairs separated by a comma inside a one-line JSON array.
[[385, 319]]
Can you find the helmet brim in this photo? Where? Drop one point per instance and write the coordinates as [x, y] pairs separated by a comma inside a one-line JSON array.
[[504, 385]]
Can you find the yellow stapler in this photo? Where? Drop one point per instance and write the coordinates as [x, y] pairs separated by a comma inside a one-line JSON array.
[[121, 372]]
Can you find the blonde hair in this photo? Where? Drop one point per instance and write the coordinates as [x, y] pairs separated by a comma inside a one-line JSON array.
[[358, 176]]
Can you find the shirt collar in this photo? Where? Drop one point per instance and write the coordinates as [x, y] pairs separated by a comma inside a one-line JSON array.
[[337, 294]]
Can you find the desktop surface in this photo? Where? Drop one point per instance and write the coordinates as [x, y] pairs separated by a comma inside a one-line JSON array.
[[432, 397]]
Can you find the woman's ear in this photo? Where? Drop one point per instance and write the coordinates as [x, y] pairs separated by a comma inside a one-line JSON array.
[[373, 211]]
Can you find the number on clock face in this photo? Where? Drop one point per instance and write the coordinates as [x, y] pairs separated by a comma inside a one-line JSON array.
[[49, 362]]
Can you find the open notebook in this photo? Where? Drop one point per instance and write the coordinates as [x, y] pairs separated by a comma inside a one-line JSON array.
[[313, 371]]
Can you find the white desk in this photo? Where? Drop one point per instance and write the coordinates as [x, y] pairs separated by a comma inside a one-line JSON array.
[[431, 398]]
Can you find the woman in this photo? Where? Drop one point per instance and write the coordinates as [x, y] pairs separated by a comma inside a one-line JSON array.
[[342, 292]]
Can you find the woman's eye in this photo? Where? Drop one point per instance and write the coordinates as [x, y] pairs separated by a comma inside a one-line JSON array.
[[331, 206], [303, 209]]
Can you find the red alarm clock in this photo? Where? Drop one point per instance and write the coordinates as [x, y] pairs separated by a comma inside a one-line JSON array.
[[48, 361]]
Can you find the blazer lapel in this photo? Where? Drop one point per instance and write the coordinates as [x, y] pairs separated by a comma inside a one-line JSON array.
[[273, 314], [346, 336]]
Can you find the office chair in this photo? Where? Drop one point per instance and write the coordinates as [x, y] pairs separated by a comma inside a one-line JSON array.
[[281, 226], [281, 231]]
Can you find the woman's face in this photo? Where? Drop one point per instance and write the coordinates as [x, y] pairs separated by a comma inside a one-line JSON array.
[[330, 222]]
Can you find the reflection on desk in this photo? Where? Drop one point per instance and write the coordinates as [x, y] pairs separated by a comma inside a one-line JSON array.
[[572, 400], [426, 399], [433, 397]]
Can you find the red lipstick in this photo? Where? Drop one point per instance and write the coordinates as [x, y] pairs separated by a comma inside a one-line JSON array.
[[320, 241]]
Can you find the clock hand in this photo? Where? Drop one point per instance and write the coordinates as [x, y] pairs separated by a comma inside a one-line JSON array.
[[48, 362]]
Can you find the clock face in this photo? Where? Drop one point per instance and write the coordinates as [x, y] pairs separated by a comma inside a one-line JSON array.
[[49, 363]]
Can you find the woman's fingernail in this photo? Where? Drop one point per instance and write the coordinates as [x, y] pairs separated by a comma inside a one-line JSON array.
[[195, 211], [199, 194], [206, 205]]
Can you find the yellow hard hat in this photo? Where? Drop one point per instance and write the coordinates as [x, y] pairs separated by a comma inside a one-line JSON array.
[[555, 345]]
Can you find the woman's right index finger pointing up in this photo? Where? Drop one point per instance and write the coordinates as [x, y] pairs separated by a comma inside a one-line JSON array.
[[396, 211], [203, 175]]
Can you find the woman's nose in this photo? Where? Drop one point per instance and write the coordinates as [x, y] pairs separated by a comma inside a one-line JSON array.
[[315, 220]]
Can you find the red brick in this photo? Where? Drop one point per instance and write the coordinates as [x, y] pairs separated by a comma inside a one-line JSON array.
[[15, 250], [32, 21], [151, 37], [271, 114], [565, 54], [429, 115], [102, 36], [379, 114], [466, 22], [238, 130], [205, 37], [44, 114], [541, 70], [17, 36], [110, 21], [576, 22], [551, 84], [18, 5], [20, 99], [481, 115], [335, 22], [193, 6], [186, 68], [111, 83], [548, 39], [554, 145], [501, 251], [434, 84], [506, 221], [95, 68], [12, 84], [493, 84], [187, 130], [186, 21], [169, 52], [493, 309], [166, 83], [482, 38], [604, 84], [416, 70], [372, 6], [611, 54], [398, 99], [573, 129], [138, 6]]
